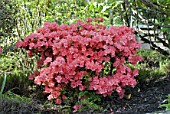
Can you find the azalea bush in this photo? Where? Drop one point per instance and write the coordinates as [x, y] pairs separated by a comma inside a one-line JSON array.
[[77, 55]]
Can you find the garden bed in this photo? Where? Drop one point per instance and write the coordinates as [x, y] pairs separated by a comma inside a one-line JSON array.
[[145, 98]]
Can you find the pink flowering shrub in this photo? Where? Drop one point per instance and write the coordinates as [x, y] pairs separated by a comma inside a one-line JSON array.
[[74, 56]]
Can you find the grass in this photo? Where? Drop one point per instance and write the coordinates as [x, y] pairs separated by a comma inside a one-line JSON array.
[[3, 84]]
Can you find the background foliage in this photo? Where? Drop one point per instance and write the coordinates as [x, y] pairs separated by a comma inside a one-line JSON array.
[[8, 21]]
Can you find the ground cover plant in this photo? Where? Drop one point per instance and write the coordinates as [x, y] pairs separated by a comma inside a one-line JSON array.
[[74, 56], [167, 105]]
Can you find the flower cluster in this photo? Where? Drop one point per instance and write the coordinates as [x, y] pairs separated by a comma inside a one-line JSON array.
[[0, 50], [73, 55]]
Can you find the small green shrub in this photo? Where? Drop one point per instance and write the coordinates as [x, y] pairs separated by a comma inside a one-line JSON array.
[[167, 105], [12, 64], [153, 66]]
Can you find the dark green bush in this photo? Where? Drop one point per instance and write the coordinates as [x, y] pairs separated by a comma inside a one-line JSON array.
[[8, 11]]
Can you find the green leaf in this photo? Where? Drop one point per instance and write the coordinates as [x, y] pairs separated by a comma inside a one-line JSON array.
[[3, 84]]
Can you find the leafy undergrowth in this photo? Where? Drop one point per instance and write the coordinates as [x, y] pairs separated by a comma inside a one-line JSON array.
[[153, 66]]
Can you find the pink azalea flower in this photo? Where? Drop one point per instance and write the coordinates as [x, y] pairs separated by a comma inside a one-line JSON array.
[[76, 107], [58, 101], [58, 79], [0, 50], [89, 19]]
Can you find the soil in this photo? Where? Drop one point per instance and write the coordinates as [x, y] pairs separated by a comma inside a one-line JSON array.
[[145, 98]]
